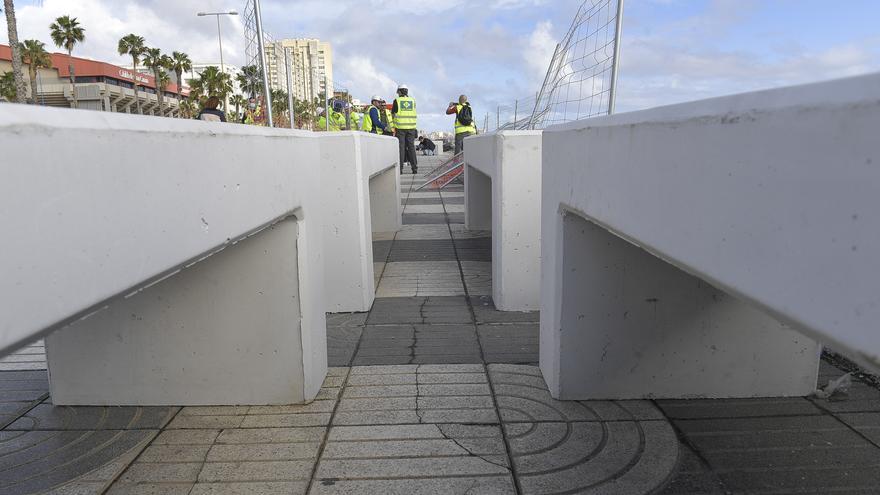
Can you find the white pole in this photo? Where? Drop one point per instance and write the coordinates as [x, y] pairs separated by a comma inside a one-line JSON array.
[[289, 89], [267, 94], [612, 93]]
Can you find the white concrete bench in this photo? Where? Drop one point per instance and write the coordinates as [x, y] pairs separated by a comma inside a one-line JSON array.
[[167, 261], [503, 194], [360, 190], [698, 250]]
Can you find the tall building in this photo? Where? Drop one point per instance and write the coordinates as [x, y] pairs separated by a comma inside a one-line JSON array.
[[311, 64]]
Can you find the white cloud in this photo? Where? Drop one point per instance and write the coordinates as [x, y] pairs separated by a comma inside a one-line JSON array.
[[539, 51]]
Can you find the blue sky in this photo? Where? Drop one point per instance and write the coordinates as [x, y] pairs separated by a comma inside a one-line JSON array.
[[497, 50]]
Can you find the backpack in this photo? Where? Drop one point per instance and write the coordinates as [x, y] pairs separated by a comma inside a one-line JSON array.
[[465, 115]]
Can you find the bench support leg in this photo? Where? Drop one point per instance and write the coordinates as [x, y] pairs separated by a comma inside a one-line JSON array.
[[478, 199], [227, 330], [385, 201], [619, 323]]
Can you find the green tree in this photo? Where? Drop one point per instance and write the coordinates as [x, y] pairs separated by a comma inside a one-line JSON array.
[[156, 62], [239, 101], [66, 33], [250, 79], [188, 108], [180, 63], [12, 30], [7, 86], [34, 54], [133, 45], [212, 82]]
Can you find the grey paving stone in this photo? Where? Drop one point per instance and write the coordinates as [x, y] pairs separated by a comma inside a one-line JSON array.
[[836, 479], [270, 435], [256, 471], [346, 319], [263, 452], [170, 472], [477, 277], [484, 485], [149, 488], [174, 453], [186, 437], [424, 218], [420, 278], [730, 408], [42, 460], [434, 200], [868, 424], [422, 250], [208, 422], [474, 249], [485, 312], [693, 476], [418, 232], [436, 309], [381, 250], [616, 457], [47, 416], [251, 488], [751, 425]]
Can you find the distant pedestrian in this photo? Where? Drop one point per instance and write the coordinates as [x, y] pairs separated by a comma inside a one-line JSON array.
[[427, 146], [210, 112], [405, 123], [464, 121]]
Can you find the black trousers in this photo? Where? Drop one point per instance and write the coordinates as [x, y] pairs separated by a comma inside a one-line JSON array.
[[407, 141]]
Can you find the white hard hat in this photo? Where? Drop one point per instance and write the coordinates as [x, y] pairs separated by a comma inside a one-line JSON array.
[[320, 110], [375, 98], [403, 86]]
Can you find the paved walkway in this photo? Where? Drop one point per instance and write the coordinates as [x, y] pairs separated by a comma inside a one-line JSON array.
[[435, 392]]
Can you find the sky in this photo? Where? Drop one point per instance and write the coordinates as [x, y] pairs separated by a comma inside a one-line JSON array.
[[497, 51]]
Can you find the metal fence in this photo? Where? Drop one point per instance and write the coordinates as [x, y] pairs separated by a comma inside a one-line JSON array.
[[581, 80], [307, 90]]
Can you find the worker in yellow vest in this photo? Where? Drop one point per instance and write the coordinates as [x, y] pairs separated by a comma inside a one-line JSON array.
[[405, 124], [373, 118], [334, 121], [464, 121]]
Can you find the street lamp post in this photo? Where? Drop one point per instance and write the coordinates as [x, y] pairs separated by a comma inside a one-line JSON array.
[[220, 40]]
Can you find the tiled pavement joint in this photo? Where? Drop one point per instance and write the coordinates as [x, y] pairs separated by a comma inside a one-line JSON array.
[[314, 476], [507, 449], [23, 412]]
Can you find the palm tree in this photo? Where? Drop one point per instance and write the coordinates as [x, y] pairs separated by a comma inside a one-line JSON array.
[[180, 63], [12, 29], [132, 44], [154, 59], [238, 101], [34, 54], [249, 78], [66, 33], [7, 86], [215, 83], [188, 108]]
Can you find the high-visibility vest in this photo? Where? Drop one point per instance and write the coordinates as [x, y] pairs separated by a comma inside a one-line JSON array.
[[459, 127], [337, 120], [389, 120], [367, 122], [356, 120], [405, 118]]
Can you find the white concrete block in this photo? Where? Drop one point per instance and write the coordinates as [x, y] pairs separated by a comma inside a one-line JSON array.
[[503, 193], [360, 188], [109, 219], [767, 196]]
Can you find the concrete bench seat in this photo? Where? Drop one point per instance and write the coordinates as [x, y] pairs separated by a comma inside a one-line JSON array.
[[707, 249], [360, 187], [503, 194], [166, 261]]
